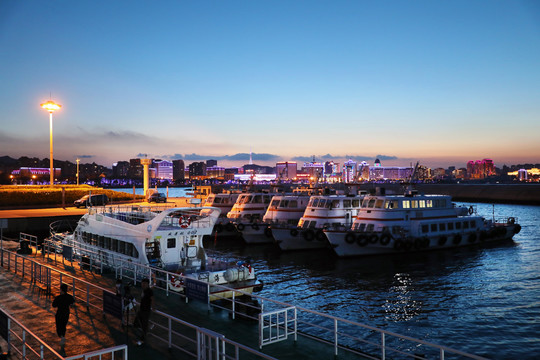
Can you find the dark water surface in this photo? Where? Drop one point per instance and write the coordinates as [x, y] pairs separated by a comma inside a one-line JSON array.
[[485, 301]]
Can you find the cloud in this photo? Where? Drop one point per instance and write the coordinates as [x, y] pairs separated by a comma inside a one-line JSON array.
[[85, 156], [386, 157], [235, 157]]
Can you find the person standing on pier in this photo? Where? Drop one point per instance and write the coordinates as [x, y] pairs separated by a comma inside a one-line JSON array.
[[147, 305], [62, 302]]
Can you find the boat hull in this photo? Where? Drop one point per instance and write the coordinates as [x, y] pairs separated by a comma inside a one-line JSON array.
[[297, 239], [351, 243]]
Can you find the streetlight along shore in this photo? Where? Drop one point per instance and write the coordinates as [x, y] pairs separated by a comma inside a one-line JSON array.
[[51, 106]]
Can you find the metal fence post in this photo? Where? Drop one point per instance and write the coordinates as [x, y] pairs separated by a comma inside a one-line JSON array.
[[383, 346]]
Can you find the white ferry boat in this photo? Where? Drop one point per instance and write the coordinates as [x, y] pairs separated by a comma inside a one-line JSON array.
[[164, 238], [284, 210], [223, 201], [249, 210], [322, 212], [412, 222]]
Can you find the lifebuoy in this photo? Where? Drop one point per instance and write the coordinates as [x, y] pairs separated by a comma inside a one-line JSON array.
[[184, 220], [219, 228], [442, 240], [294, 232], [457, 239], [319, 235], [350, 237], [511, 220], [240, 227], [362, 240], [309, 235], [471, 210], [176, 283], [385, 239], [373, 239], [472, 238]]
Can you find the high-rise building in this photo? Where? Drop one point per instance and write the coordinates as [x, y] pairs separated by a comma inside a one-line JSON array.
[[215, 172], [178, 170], [286, 170], [120, 170], [480, 169], [135, 169], [164, 170], [350, 170], [210, 163], [197, 170]]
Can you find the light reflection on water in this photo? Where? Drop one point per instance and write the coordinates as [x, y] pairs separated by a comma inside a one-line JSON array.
[[480, 300]]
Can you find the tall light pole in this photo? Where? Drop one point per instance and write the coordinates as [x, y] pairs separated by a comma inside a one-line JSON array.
[[51, 106], [78, 161]]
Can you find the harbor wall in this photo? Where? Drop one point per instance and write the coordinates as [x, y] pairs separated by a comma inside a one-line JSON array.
[[497, 193]]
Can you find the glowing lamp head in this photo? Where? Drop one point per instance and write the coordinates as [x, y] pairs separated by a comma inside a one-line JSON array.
[[51, 106]]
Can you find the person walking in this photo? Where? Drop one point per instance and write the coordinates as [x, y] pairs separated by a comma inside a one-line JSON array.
[[62, 302], [145, 308]]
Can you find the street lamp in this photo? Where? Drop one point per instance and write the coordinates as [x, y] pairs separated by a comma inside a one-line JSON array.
[[51, 106], [78, 161]]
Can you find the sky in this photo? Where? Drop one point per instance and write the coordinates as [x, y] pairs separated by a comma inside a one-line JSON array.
[[438, 82]]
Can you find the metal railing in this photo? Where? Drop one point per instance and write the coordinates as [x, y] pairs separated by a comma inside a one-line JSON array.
[[27, 345], [343, 335], [176, 333]]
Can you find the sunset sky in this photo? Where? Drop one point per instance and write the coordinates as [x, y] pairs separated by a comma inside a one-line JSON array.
[[439, 82]]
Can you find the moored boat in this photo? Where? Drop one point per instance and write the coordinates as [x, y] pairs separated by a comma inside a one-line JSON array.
[[322, 212], [169, 239], [223, 201], [248, 212], [389, 223]]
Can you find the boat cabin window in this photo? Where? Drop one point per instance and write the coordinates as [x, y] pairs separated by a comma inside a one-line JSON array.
[[171, 243], [465, 224], [121, 247], [406, 204], [284, 203], [356, 203], [274, 203], [322, 203], [370, 227], [422, 203], [315, 202], [425, 228], [473, 224], [293, 204], [257, 199], [458, 225], [216, 200], [442, 227], [371, 203], [346, 204], [362, 227], [335, 204], [391, 204], [429, 203], [450, 226], [379, 204], [267, 199], [414, 204], [433, 227]]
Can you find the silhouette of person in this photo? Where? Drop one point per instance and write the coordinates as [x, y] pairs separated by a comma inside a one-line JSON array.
[[62, 302], [145, 308]]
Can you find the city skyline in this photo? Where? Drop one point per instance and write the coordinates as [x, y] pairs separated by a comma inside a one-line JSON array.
[[439, 83]]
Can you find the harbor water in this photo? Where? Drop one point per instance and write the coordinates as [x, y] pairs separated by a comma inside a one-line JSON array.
[[484, 301]]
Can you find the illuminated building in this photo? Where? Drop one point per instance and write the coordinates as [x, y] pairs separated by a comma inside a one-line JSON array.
[[286, 170], [480, 169], [349, 171], [164, 170]]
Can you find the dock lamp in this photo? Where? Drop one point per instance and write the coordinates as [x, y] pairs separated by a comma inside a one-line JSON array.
[[78, 161], [51, 106]]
